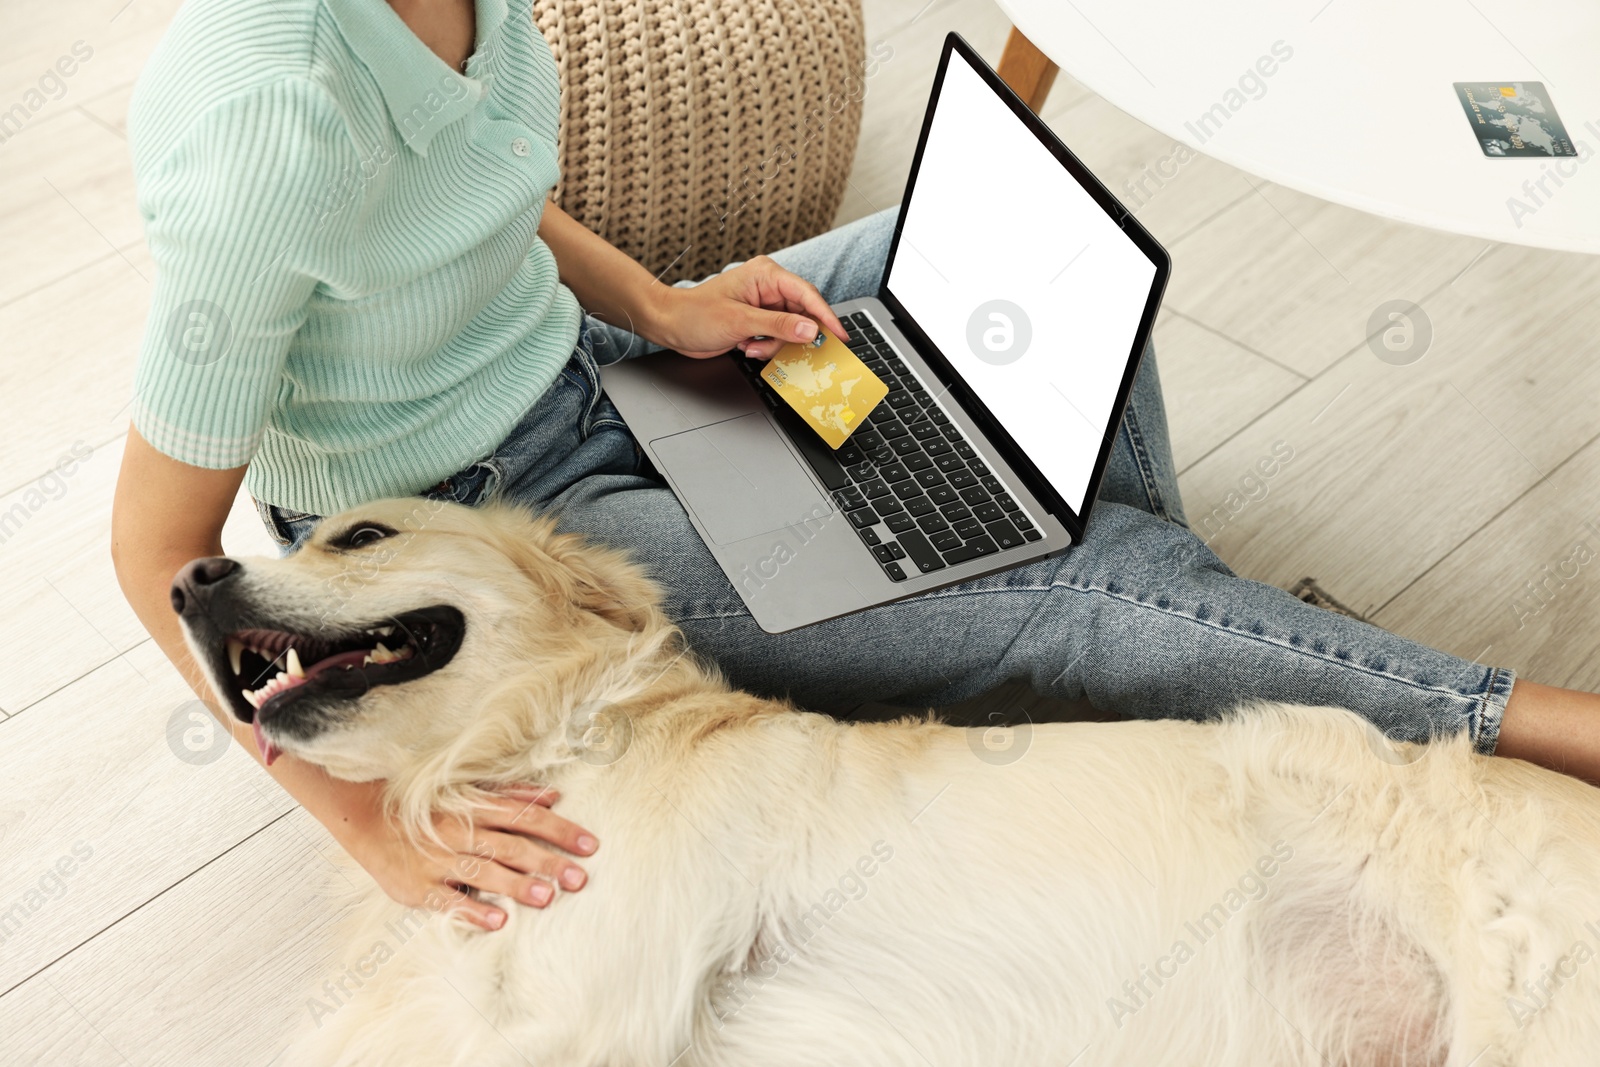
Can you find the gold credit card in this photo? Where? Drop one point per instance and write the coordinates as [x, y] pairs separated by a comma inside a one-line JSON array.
[[827, 384]]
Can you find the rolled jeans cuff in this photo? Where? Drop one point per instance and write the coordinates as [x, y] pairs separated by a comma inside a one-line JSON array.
[[1491, 710]]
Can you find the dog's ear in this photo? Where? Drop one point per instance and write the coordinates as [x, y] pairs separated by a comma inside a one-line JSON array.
[[604, 582], [595, 579]]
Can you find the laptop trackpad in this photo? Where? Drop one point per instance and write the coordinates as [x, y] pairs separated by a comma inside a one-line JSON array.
[[739, 478]]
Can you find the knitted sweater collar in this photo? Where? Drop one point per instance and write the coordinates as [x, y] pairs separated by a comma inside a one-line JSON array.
[[422, 93]]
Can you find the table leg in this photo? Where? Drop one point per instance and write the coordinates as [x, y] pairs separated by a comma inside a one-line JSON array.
[[1028, 71]]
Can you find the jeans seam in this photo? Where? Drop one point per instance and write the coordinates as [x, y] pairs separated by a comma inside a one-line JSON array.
[[1264, 639], [590, 372], [1490, 712], [1141, 462], [1259, 638]]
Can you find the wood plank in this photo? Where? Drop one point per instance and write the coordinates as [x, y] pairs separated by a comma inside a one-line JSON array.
[[1028, 71], [110, 108], [68, 185], [68, 615], [1394, 466], [1213, 387], [214, 972], [1296, 278], [105, 804], [1521, 591], [120, 35], [81, 335], [43, 1029]]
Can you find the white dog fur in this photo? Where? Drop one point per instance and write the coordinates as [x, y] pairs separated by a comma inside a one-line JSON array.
[[775, 887]]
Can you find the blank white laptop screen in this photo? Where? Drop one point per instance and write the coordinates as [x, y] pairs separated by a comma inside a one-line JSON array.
[[1020, 279]]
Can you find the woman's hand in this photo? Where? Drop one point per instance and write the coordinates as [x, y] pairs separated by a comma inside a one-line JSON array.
[[756, 299], [495, 853]]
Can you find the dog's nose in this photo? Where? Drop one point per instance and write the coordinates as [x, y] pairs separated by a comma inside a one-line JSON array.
[[193, 582]]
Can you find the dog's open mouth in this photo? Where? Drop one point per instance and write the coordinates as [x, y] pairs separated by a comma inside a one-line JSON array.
[[272, 670]]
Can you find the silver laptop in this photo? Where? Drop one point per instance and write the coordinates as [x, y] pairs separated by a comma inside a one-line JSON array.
[[1016, 301]]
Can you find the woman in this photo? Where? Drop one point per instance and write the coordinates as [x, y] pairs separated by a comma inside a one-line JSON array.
[[363, 292]]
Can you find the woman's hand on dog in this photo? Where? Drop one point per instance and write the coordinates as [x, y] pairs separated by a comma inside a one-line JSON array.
[[497, 852], [756, 307]]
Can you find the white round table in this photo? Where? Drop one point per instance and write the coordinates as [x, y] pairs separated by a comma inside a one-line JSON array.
[[1361, 112]]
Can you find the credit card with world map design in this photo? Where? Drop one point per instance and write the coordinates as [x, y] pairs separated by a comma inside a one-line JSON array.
[[827, 384], [1514, 119]]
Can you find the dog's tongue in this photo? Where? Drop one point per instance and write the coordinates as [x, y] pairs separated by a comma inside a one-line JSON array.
[[269, 751]]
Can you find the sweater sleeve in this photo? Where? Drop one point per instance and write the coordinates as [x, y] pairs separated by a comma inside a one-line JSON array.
[[243, 213]]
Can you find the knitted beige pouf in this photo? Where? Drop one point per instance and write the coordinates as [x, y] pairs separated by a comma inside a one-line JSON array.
[[699, 132]]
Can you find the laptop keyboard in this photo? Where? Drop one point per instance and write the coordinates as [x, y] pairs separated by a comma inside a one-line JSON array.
[[918, 494]]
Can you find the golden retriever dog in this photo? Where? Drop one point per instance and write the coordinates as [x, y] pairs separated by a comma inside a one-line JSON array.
[[776, 887]]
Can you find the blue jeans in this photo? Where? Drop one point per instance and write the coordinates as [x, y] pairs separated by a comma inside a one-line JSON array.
[[1141, 619]]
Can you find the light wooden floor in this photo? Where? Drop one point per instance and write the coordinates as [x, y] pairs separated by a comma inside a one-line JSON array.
[[1427, 495]]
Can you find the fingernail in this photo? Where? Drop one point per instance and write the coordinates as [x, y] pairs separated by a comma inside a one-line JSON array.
[[805, 330], [586, 844], [495, 919], [572, 877], [539, 893]]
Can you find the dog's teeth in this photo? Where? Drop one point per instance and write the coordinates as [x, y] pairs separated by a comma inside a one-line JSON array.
[[251, 699], [382, 654], [385, 631], [295, 670], [235, 656]]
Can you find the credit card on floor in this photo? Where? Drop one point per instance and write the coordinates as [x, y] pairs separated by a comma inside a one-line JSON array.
[[1514, 119], [827, 384]]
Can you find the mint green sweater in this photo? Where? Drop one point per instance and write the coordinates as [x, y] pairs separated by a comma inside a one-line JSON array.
[[351, 294]]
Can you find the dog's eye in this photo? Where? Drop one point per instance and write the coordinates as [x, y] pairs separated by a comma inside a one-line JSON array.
[[362, 535]]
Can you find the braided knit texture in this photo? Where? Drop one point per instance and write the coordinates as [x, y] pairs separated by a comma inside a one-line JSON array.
[[699, 132]]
